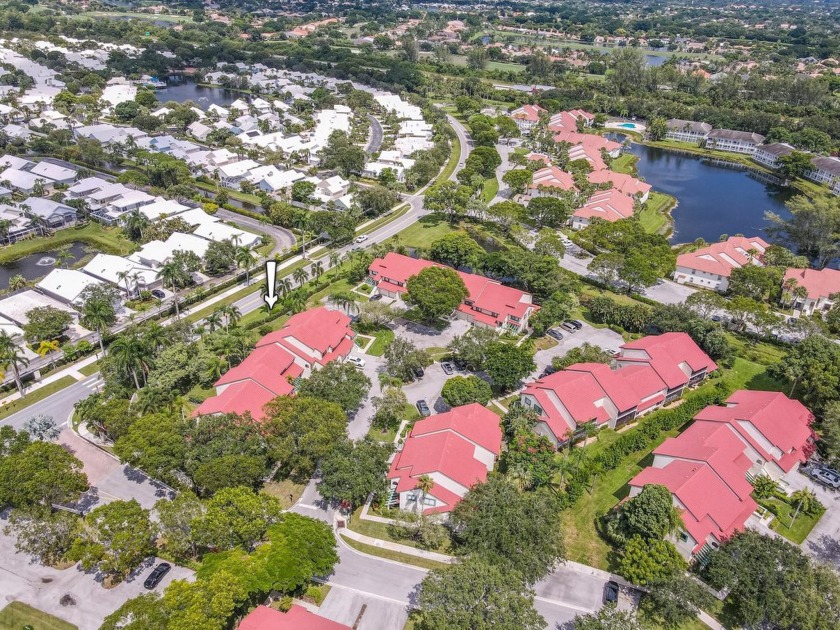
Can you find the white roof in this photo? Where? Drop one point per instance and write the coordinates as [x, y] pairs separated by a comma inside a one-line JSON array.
[[19, 179], [222, 232], [107, 267], [15, 307], [238, 169], [87, 185], [47, 208], [14, 161], [160, 207], [66, 284], [109, 191], [197, 216], [53, 171], [132, 198]]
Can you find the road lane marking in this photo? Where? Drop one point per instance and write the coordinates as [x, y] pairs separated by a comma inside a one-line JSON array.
[[556, 602]]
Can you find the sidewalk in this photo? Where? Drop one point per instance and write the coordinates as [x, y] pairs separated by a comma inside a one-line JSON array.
[[57, 375], [392, 546]]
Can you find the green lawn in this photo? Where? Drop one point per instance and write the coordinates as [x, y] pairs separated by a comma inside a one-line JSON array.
[[378, 223], [491, 187], [90, 369], [174, 19], [383, 532], [654, 216], [18, 615], [383, 338], [454, 156], [626, 163], [37, 395], [425, 231], [108, 240], [423, 563], [802, 526]]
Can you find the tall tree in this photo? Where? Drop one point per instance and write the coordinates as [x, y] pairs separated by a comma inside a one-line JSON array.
[[354, 470], [436, 292], [11, 354]]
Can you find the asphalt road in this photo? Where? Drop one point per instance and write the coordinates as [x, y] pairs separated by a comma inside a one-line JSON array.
[[376, 135], [59, 405], [283, 239]]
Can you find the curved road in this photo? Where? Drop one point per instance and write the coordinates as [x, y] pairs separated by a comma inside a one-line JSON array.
[[283, 238], [376, 135]]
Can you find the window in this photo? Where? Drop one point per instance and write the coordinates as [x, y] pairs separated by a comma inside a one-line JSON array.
[[527, 402], [682, 536], [429, 501]]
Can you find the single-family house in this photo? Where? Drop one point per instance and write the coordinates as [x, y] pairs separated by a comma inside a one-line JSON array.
[[13, 161], [627, 184], [826, 171], [22, 181], [54, 214], [527, 116], [710, 267], [54, 173], [125, 274], [66, 285], [607, 205], [231, 173], [296, 618], [86, 187], [218, 232], [811, 291], [488, 304], [155, 253], [774, 431], [162, 208], [455, 449], [687, 130], [333, 187], [199, 130], [734, 141], [769, 154]]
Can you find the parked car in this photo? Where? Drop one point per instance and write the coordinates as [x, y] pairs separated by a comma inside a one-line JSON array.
[[459, 364], [417, 371], [361, 238], [158, 294], [448, 368], [577, 324], [611, 592], [423, 408], [555, 333], [568, 327], [157, 575], [374, 298], [548, 371], [825, 476], [356, 361]]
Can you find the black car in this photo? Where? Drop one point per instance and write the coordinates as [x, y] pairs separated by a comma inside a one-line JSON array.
[[417, 371], [448, 368], [611, 592], [548, 371], [157, 575], [376, 297], [576, 323], [460, 364], [158, 294], [555, 333], [423, 408]]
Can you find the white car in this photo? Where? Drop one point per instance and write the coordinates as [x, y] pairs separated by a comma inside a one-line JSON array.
[[356, 361], [361, 238]]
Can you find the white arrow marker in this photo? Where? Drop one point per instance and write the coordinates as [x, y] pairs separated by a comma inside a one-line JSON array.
[[270, 277]]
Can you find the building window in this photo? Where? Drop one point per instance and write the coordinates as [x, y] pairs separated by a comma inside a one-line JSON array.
[[429, 501], [683, 537], [527, 402]]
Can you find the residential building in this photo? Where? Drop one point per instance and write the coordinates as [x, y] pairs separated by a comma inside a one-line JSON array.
[[22, 181], [155, 254], [607, 205], [527, 116], [19, 226], [627, 184], [550, 181], [54, 173], [489, 303], [734, 141], [162, 208], [66, 285], [296, 618], [232, 173], [455, 449], [687, 130], [593, 143], [13, 161], [710, 267], [125, 274], [769, 154], [569, 120], [674, 356], [774, 431], [826, 171], [86, 187], [811, 291], [218, 232], [52, 213]]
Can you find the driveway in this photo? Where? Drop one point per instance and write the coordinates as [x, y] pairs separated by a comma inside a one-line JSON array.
[[375, 135], [428, 388], [359, 423], [601, 337], [823, 543], [44, 588], [372, 612]]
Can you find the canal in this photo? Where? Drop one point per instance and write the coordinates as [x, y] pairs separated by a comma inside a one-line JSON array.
[[712, 199]]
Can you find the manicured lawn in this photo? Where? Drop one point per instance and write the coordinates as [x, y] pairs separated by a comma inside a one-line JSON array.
[[426, 231], [35, 396], [281, 490], [491, 187], [18, 615], [108, 240], [802, 526], [544, 343], [91, 369], [140, 16], [423, 563], [378, 223], [383, 532], [653, 216], [383, 338], [454, 156], [626, 163]]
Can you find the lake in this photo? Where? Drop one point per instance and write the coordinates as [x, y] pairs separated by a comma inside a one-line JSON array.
[[187, 90], [38, 265], [655, 60], [712, 199]]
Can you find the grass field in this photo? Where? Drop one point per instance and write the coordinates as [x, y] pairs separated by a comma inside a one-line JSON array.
[[491, 187], [90, 369], [654, 216], [36, 396], [452, 164], [383, 338], [625, 164], [108, 240], [173, 19], [18, 615], [802, 526], [427, 230]]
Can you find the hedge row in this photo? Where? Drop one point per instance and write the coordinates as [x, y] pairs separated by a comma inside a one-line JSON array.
[[641, 438]]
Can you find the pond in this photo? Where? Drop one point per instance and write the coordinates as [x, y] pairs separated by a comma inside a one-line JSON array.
[[713, 198], [38, 265], [180, 89], [655, 60]]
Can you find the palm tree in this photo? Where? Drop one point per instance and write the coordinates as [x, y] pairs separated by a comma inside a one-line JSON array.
[[48, 348], [214, 320], [334, 260], [214, 367], [64, 254], [520, 477], [296, 301], [99, 314], [232, 315], [5, 224], [300, 275], [244, 260], [155, 336], [424, 485], [200, 330], [285, 286], [127, 352], [317, 270], [173, 274], [11, 353], [805, 500], [590, 429], [17, 282]]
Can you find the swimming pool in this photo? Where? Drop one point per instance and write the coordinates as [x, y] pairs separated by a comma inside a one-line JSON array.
[[629, 125]]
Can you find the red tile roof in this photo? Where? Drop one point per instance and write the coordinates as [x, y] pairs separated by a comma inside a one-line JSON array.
[[393, 271], [820, 283], [552, 177], [321, 329], [530, 113], [238, 398], [783, 423], [268, 366], [627, 184], [567, 120], [298, 618], [589, 140], [609, 205], [722, 258], [446, 444], [539, 157], [666, 354]]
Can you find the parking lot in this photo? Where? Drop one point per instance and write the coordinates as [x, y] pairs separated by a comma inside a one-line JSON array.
[[601, 337], [823, 543], [70, 594]]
